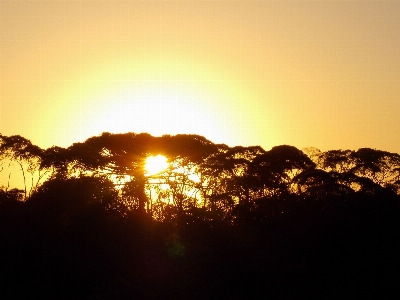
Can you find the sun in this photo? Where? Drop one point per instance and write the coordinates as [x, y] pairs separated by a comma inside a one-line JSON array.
[[155, 164]]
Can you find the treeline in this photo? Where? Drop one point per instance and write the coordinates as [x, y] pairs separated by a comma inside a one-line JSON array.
[[219, 222], [202, 177]]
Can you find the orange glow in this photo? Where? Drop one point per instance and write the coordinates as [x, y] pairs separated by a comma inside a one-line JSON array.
[[237, 72], [155, 164], [168, 99]]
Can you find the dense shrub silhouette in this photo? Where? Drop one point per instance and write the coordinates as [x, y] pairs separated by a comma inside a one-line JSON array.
[[251, 224]]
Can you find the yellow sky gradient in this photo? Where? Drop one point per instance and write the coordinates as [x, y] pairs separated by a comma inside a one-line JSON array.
[[304, 73]]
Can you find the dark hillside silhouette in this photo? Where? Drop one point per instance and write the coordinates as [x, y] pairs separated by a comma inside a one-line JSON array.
[[219, 222]]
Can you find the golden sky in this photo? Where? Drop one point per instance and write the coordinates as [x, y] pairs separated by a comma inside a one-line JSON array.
[[304, 73]]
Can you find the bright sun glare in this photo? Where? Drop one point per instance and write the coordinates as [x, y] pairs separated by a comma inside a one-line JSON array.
[[155, 164]]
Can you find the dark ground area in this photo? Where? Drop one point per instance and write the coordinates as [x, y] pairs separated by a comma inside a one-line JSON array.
[[347, 251]]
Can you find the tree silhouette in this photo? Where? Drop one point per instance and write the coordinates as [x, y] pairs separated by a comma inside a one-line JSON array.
[[218, 222], [27, 156]]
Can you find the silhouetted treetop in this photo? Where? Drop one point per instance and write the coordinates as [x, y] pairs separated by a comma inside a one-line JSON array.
[[217, 222], [202, 178], [17, 147]]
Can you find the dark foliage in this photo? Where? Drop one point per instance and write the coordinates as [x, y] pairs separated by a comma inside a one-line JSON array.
[[270, 224]]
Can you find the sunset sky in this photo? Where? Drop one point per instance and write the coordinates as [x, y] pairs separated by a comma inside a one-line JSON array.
[[304, 73]]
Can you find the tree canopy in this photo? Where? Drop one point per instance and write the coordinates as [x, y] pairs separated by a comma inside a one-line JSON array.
[[201, 175], [233, 219]]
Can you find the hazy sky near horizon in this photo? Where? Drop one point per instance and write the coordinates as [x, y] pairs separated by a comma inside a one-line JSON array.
[[304, 73]]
